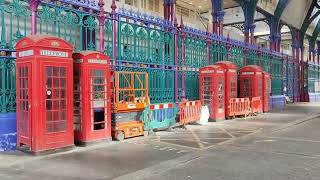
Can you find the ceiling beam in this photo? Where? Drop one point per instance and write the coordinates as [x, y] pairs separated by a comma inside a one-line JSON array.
[[282, 4], [308, 20]]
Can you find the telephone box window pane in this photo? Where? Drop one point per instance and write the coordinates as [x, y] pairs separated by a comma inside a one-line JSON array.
[[98, 80], [49, 83], [62, 72], [62, 82], [99, 122], [247, 88], [55, 93], [233, 87], [49, 116], [49, 127], [207, 92], [63, 104], [48, 105], [55, 71], [49, 71], [63, 115], [56, 116], [62, 94], [220, 92], [55, 82]]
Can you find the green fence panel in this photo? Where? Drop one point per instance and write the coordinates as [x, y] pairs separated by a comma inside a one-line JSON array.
[[7, 85], [108, 38], [78, 28], [277, 76], [144, 44], [311, 78], [195, 52], [15, 22], [126, 41], [265, 62], [218, 52], [237, 56], [252, 58], [192, 85]]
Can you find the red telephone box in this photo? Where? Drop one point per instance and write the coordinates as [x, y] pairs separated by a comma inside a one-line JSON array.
[[251, 81], [212, 87], [266, 91], [44, 94], [231, 81], [92, 102]]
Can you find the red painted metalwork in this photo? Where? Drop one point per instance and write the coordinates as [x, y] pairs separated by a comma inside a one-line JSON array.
[[266, 91], [231, 82], [92, 99], [251, 81], [44, 94], [212, 91]]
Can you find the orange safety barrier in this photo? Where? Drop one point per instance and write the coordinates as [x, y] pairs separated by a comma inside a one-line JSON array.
[[190, 111], [256, 105], [239, 107]]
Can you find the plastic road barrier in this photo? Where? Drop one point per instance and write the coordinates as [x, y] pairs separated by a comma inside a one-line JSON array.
[[190, 111]]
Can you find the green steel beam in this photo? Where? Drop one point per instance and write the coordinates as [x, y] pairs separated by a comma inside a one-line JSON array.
[[282, 4], [308, 20], [315, 35]]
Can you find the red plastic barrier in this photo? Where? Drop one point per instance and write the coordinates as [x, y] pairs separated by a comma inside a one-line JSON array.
[[190, 111], [238, 107], [256, 105]]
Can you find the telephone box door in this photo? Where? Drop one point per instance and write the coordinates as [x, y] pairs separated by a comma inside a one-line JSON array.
[[220, 113], [23, 107], [246, 89], [57, 106], [206, 92], [99, 103]]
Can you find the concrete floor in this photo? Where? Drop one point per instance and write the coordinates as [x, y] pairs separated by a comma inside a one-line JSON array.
[[272, 146]]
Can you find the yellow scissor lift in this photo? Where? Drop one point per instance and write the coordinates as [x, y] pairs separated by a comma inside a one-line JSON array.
[[130, 97]]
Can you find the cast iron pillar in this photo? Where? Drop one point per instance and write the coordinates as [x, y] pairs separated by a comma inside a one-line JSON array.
[[217, 17], [102, 19], [114, 32], [34, 8]]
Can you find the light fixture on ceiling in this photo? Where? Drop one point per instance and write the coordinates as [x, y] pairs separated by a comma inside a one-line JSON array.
[[190, 2]]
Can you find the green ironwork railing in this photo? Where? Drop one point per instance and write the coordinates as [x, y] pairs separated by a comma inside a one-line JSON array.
[[265, 62], [15, 18], [252, 58], [108, 38], [144, 44], [277, 76], [78, 28], [195, 52], [218, 52], [237, 56], [7, 85], [313, 77]]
